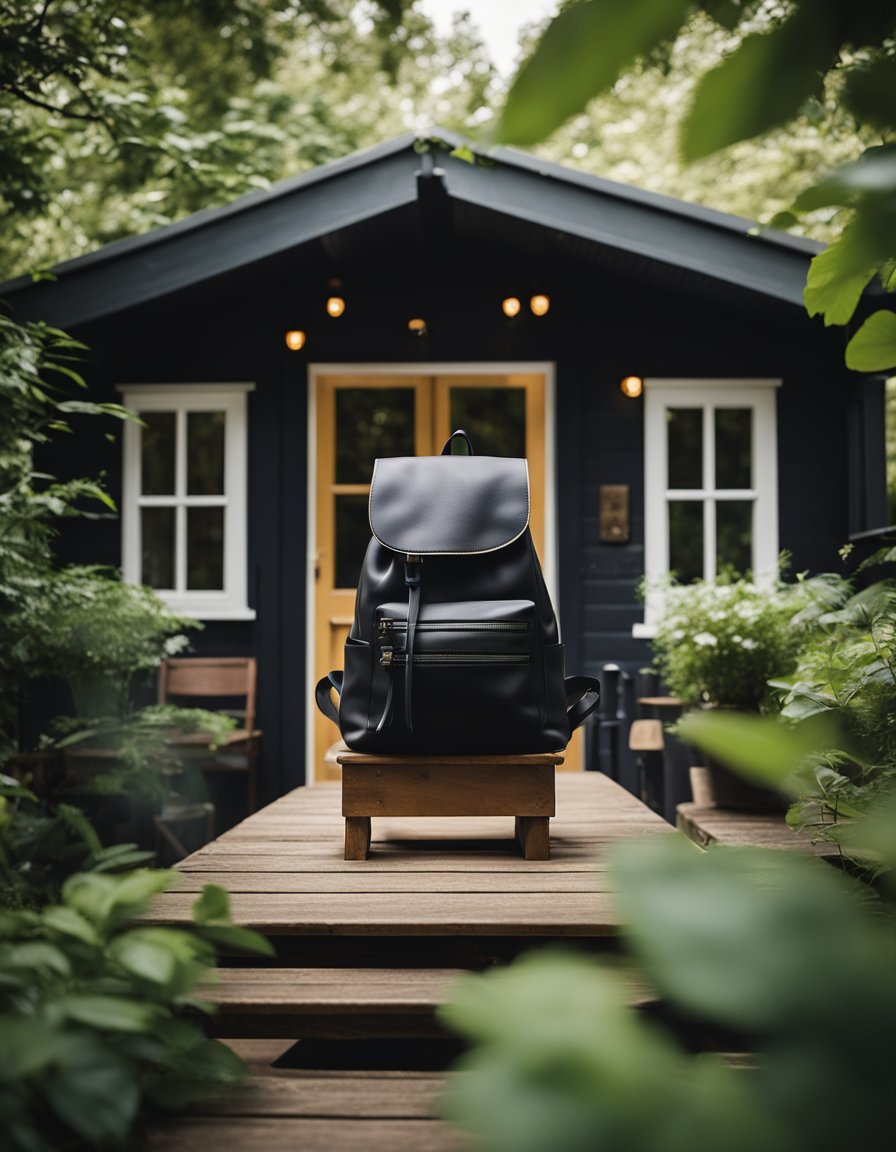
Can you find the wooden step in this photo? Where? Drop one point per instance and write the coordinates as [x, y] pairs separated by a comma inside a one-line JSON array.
[[337, 1003]]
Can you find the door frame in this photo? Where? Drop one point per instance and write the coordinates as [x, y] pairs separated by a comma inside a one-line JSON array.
[[544, 368]]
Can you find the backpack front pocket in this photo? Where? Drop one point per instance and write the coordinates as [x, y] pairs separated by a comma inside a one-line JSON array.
[[472, 667]]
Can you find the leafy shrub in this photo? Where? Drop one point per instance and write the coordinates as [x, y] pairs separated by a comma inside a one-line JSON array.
[[775, 953], [99, 1013]]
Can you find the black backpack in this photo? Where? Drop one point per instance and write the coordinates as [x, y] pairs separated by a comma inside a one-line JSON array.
[[454, 646]]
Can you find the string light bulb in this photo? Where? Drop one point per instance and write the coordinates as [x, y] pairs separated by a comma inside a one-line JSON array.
[[511, 306], [417, 325], [295, 339], [540, 304], [631, 386], [335, 306]]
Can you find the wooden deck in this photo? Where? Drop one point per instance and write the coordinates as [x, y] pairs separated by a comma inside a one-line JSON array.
[[368, 949], [453, 878]]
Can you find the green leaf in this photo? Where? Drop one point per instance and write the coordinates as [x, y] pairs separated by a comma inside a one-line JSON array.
[[68, 922], [77, 821], [582, 52], [212, 904], [874, 173], [873, 348], [236, 939], [761, 84], [835, 282], [110, 1013], [35, 956], [761, 748], [145, 955]]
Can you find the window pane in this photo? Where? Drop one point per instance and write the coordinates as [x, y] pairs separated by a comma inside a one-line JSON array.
[[157, 547], [157, 454], [686, 539], [352, 538], [371, 422], [734, 534], [205, 549], [684, 434], [494, 418], [734, 448], [205, 453]]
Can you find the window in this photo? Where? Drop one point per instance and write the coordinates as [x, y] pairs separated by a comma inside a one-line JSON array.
[[710, 481], [184, 506]]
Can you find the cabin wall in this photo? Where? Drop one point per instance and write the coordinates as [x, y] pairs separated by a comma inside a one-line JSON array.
[[595, 333]]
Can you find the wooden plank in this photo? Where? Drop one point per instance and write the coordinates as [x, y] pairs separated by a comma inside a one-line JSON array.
[[238, 1134], [312, 1095], [415, 914], [404, 881], [705, 826]]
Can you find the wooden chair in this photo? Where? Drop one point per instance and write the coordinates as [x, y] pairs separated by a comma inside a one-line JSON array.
[[216, 679]]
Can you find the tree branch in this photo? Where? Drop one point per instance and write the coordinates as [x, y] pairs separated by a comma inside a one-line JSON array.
[[27, 98]]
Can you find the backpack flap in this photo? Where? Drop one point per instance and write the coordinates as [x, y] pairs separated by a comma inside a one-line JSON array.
[[448, 505]]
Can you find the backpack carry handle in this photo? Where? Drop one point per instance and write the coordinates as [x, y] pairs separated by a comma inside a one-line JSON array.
[[449, 443]]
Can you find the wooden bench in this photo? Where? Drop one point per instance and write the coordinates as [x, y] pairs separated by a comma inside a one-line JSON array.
[[517, 786]]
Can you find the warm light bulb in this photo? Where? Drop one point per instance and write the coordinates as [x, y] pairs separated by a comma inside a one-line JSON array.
[[631, 386], [540, 304], [417, 326], [511, 306], [295, 339], [335, 305]]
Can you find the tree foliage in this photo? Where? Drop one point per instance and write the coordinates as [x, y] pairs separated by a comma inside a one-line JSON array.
[[116, 118], [783, 62]]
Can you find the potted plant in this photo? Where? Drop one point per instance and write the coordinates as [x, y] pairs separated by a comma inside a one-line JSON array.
[[717, 645]]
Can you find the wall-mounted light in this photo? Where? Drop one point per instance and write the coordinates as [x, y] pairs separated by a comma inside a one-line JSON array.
[[511, 306], [417, 325], [540, 304], [295, 339], [631, 386]]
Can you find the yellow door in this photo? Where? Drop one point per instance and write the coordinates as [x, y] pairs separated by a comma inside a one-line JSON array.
[[363, 416]]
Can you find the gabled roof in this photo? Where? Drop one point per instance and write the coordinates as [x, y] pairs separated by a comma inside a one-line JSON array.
[[601, 220]]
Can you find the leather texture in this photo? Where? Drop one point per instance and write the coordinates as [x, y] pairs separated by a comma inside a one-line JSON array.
[[424, 505], [455, 650]]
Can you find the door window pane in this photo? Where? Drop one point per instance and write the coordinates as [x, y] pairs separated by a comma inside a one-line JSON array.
[[205, 453], [734, 447], [684, 431], [157, 547], [352, 538], [686, 539], [734, 534], [205, 549], [157, 453], [371, 422], [494, 419]]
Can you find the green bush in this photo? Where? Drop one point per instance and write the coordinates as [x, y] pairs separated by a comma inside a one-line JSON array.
[[99, 1012], [720, 641]]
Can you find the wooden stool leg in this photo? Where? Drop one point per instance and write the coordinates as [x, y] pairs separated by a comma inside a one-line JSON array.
[[534, 836], [357, 837]]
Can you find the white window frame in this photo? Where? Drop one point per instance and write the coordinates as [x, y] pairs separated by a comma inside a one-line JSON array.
[[232, 602], [760, 396]]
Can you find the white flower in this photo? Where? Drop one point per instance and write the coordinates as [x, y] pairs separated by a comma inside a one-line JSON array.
[[749, 644], [705, 640]]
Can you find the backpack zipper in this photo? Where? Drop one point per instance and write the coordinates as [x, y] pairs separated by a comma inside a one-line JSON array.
[[391, 625], [390, 658]]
